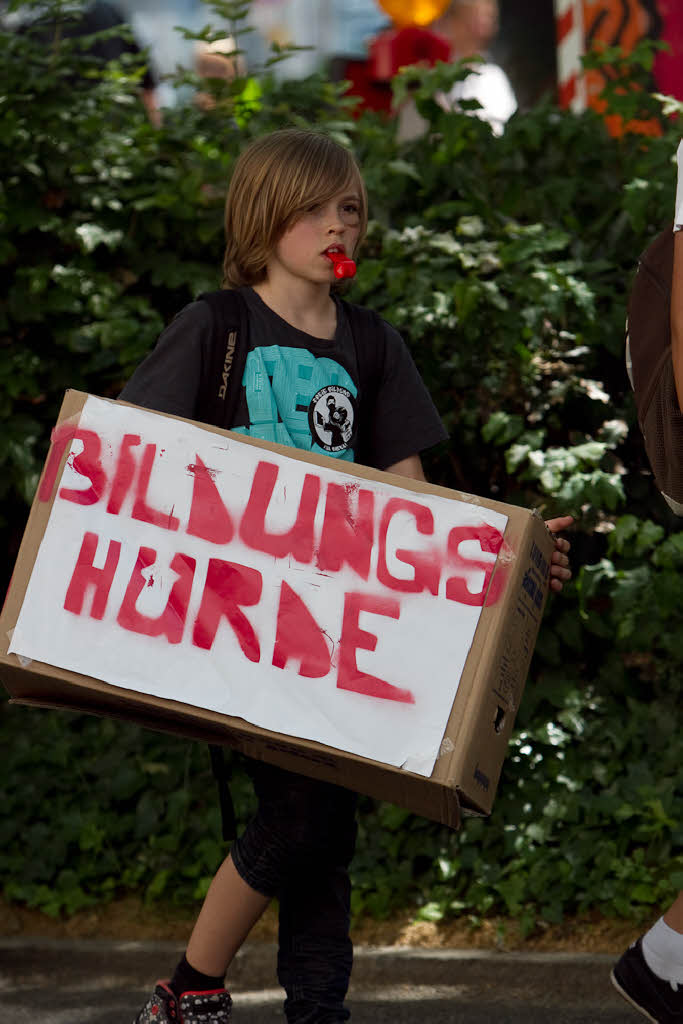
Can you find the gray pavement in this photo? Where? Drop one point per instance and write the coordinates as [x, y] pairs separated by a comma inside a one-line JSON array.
[[99, 982]]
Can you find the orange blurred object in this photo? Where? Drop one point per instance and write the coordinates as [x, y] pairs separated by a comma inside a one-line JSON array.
[[413, 12], [611, 23], [584, 25]]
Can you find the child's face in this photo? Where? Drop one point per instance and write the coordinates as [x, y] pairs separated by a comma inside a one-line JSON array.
[[333, 224]]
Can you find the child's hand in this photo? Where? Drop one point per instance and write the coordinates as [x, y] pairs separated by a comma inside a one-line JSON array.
[[560, 572]]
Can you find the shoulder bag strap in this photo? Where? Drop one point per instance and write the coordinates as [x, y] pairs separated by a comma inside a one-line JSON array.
[[222, 373]]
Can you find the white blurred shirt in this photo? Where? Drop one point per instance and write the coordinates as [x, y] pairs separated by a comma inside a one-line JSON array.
[[490, 86]]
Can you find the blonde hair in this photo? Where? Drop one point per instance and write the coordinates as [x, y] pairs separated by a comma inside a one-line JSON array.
[[274, 181]]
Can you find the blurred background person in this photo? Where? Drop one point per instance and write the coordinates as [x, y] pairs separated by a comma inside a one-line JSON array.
[[84, 20], [218, 59], [470, 26], [155, 25]]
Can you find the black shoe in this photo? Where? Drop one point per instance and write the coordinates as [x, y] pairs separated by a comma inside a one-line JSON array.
[[163, 1007], [658, 1000]]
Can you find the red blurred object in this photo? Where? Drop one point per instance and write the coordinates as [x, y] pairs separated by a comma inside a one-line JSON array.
[[394, 48], [397, 48], [344, 266], [372, 94], [668, 67]]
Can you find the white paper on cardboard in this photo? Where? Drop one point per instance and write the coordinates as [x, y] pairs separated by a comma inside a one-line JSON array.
[[188, 565]]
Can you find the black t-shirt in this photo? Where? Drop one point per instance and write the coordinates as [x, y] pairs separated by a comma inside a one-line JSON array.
[[297, 390]]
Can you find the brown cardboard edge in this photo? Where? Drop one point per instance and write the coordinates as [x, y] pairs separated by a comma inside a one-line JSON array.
[[34, 686], [481, 656], [533, 529], [72, 406]]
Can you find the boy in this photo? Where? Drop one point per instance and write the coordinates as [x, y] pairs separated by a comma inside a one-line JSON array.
[[295, 198]]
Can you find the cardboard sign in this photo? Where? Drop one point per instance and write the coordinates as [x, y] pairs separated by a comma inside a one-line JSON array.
[[206, 571], [353, 625]]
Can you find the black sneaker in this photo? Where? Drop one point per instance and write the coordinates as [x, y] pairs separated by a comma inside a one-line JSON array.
[[658, 1000], [205, 1007], [164, 1007], [161, 1007]]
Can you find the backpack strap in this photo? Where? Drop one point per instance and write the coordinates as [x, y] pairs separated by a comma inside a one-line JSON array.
[[222, 776], [367, 330], [220, 386], [221, 380]]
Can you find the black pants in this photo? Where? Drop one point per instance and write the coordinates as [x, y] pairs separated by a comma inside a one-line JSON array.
[[298, 848]]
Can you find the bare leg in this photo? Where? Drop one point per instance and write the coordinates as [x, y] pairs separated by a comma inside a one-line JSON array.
[[230, 910], [674, 915]]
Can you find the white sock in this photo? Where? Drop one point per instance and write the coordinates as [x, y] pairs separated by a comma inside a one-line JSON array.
[[663, 952]]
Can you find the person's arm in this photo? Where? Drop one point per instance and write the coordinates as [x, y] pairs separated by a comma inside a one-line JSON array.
[[677, 316], [151, 105], [410, 467], [676, 311]]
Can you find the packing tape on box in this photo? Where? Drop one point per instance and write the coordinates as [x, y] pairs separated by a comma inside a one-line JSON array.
[[24, 662], [506, 555]]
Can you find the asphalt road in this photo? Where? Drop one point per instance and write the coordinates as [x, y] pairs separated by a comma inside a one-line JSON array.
[[92, 982]]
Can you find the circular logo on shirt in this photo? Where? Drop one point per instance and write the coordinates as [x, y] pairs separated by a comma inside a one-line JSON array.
[[331, 417]]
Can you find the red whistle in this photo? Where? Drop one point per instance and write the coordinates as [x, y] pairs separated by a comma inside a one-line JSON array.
[[344, 266]]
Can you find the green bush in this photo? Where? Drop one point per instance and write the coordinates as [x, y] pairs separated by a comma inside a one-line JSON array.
[[506, 264]]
